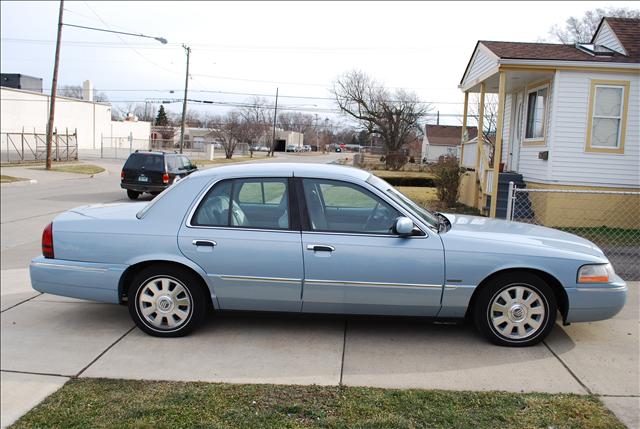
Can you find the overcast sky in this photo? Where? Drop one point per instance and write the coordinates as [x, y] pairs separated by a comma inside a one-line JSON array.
[[245, 47]]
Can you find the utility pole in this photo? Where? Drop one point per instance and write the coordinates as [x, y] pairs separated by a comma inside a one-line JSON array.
[[275, 118], [184, 102], [54, 84], [316, 132]]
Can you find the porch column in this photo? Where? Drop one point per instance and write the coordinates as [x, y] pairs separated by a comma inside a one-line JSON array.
[[497, 157], [464, 126], [480, 138]]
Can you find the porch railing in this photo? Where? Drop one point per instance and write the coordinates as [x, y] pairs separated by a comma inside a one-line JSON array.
[[485, 172]]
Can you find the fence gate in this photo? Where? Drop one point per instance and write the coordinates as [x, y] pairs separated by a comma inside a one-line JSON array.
[[609, 219], [24, 147]]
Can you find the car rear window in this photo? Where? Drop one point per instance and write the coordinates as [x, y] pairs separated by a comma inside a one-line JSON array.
[[145, 161]]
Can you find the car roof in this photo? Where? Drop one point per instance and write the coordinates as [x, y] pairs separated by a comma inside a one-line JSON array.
[[326, 171]]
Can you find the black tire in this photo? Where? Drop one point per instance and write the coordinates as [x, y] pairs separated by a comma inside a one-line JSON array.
[[133, 195], [194, 291], [531, 286]]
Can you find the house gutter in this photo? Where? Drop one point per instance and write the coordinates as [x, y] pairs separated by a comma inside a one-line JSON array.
[[562, 64]]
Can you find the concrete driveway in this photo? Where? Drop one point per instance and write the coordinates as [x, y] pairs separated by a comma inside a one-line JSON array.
[[46, 340]]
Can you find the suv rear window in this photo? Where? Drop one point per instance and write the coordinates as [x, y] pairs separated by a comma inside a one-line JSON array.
[[145, 161]]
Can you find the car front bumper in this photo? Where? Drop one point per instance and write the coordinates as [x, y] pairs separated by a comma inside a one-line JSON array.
[[141, 187], [589, 303], [82, 280]]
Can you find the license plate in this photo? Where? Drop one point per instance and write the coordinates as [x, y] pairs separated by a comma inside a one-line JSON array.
[[143, 179]]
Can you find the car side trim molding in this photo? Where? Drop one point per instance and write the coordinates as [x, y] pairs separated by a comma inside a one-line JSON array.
[[260, 279], [601, 289], [68, 267], [371, 284]]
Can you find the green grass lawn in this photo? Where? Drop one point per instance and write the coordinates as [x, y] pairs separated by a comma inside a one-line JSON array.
[[216, 161], [75, 168], [99, 403], [9, 179], [603, 235], [383, 174]]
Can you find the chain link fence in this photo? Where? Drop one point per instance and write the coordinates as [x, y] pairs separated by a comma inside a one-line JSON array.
[[610, 219], [24, 146], [122, 147]]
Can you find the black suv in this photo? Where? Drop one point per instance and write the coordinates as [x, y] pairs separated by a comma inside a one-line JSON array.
[[153, 172]]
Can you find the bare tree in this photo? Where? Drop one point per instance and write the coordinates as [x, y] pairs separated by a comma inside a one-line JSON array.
[[582, 29], [229, 132], [257, 120], [490, 117], [72, 91], [75, 91], [391, 115]]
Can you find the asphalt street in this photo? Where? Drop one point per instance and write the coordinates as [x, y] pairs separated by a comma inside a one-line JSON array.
[[46, 340]]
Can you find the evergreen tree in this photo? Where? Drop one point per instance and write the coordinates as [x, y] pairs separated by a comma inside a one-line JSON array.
[[161, 119]]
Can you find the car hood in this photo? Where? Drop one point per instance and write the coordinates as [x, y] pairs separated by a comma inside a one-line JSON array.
[[110, 211], [501, 231]]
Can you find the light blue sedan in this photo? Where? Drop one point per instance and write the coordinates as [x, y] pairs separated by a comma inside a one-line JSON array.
[[320, 239]]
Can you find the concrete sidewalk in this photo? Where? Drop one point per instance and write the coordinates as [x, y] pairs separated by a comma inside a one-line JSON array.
[[46, 340]]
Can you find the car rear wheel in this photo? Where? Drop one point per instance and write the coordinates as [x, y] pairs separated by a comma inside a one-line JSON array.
[[516, 309], [133, 195], [167, 301]]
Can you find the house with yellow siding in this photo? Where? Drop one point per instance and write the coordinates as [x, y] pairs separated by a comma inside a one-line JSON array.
[[568, 118]]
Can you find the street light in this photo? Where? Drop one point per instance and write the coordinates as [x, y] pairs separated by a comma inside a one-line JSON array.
[[159, 39], [54, 81]]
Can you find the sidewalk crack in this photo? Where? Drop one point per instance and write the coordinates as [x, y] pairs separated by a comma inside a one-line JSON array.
[[344, 347], [104, 351], [573, 374]]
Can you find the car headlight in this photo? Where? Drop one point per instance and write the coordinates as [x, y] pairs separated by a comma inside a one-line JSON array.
[[600, 273]]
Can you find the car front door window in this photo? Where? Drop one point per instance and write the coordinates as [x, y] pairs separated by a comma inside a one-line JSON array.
[[336, 206]]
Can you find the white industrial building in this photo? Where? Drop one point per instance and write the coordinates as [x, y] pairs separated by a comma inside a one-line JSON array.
[[29, 111]]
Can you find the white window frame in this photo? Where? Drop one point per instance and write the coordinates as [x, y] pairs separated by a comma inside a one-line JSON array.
[[619, 118], [545, 119]]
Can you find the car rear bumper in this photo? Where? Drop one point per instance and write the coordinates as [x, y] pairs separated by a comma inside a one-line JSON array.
[[591, 303], [141, 187], [83, 280]]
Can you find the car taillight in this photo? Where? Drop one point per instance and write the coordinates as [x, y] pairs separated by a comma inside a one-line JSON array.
[[47, 241], [122, 175], [165, 178]]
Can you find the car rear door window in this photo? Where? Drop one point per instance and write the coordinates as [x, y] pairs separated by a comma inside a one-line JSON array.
[[246, 203], [214, 208], [336, 206], [173, 163]]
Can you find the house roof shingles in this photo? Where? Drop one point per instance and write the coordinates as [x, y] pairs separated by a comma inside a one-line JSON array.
[[627, 30], [447, 135]]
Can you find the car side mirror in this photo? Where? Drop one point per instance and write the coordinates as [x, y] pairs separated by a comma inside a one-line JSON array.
[[403, 226]]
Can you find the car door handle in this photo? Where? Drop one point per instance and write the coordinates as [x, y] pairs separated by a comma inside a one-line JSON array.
[[208, 243], [321, 248]]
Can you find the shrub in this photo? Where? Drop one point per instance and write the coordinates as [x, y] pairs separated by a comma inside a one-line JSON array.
[[412, 160], [447, 174], [396, 160]]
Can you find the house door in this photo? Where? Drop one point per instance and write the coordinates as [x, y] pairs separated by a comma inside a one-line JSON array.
[[516, 134]]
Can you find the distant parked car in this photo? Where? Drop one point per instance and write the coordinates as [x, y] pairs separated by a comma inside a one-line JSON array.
[[320, 239], [306, 148], [291, 148], [153, 172]]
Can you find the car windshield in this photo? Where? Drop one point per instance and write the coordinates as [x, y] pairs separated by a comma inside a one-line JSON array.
[[145, 161], [405, 201], [146, 208]]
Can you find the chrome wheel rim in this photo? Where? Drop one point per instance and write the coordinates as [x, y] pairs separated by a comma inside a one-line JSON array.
[[164, 303], [517, 312]]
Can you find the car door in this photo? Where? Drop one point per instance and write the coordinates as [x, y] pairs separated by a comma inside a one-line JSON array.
[[353, 261], [244, 235]]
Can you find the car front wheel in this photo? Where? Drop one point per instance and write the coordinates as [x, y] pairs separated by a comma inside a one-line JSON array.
[[167, 302], [516, 309]]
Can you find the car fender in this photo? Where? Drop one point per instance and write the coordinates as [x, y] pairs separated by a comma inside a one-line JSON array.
[[169, 257]]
